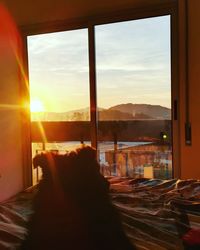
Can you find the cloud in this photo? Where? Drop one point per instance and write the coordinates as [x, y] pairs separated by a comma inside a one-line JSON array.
[[132, 58]]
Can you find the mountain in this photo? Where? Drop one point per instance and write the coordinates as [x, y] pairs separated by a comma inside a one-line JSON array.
[[153, 111], [127, 111], [64, 116], [111, 115]]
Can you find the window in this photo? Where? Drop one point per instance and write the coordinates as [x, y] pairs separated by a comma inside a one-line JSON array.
[[59, 87], [134, 97], [119, 99]]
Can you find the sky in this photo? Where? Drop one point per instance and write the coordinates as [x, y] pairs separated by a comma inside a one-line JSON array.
[[132, 65]]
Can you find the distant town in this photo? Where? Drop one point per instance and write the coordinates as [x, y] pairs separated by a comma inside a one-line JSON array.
[[134, 139]]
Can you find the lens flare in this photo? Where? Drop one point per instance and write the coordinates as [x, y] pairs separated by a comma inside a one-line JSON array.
[[36, 106]]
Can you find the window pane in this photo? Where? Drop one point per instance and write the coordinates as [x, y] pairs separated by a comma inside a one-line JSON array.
[[59, 87], [58, 74], [134, 97]]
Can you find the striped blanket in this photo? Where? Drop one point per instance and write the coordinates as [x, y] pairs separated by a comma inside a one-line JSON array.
[[156, 214]]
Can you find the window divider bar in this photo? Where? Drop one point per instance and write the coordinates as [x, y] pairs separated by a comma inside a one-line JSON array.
[[93, 94]]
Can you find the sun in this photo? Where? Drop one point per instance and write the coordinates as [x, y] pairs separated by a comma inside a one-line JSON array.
[[36, 106]]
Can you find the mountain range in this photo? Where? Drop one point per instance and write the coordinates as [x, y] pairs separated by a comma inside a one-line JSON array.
[[127, 111]]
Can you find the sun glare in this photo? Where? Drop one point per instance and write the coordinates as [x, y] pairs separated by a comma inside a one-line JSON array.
[[36, 106]]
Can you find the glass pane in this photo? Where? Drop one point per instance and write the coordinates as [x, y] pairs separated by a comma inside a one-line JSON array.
[[59, 87], [134, 97], [58, 75]]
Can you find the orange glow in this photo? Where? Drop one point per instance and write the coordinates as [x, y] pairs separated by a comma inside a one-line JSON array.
[[8, 29], [11, 43], [52, 166]]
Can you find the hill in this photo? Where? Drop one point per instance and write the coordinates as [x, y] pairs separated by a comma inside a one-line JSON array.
[[153, 111], [127, 111]]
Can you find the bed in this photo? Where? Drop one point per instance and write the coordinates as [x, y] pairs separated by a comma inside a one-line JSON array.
[[156, 214]]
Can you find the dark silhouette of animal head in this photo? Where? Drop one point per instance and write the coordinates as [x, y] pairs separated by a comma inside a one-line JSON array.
[[75, 171]]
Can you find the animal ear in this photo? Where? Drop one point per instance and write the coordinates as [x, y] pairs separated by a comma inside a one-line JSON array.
[[40, 160]]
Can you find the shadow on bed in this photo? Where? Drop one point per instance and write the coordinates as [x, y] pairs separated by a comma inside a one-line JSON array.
[[72, 208]]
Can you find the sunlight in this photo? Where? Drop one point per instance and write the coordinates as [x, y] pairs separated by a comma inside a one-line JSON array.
[[36, 106]]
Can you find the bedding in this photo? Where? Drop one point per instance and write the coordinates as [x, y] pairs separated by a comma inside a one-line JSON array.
[[14, 214], [156, 214]]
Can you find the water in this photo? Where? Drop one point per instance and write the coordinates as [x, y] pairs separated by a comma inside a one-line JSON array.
[[71, 145], [126, 161]]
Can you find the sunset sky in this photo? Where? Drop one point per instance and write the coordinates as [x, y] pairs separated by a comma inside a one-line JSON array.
[[133, 65]]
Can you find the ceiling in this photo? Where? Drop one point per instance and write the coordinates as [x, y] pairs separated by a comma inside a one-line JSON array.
[[28, 12]]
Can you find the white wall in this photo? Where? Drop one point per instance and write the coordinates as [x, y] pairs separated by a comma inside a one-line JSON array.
[[11, 176]]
